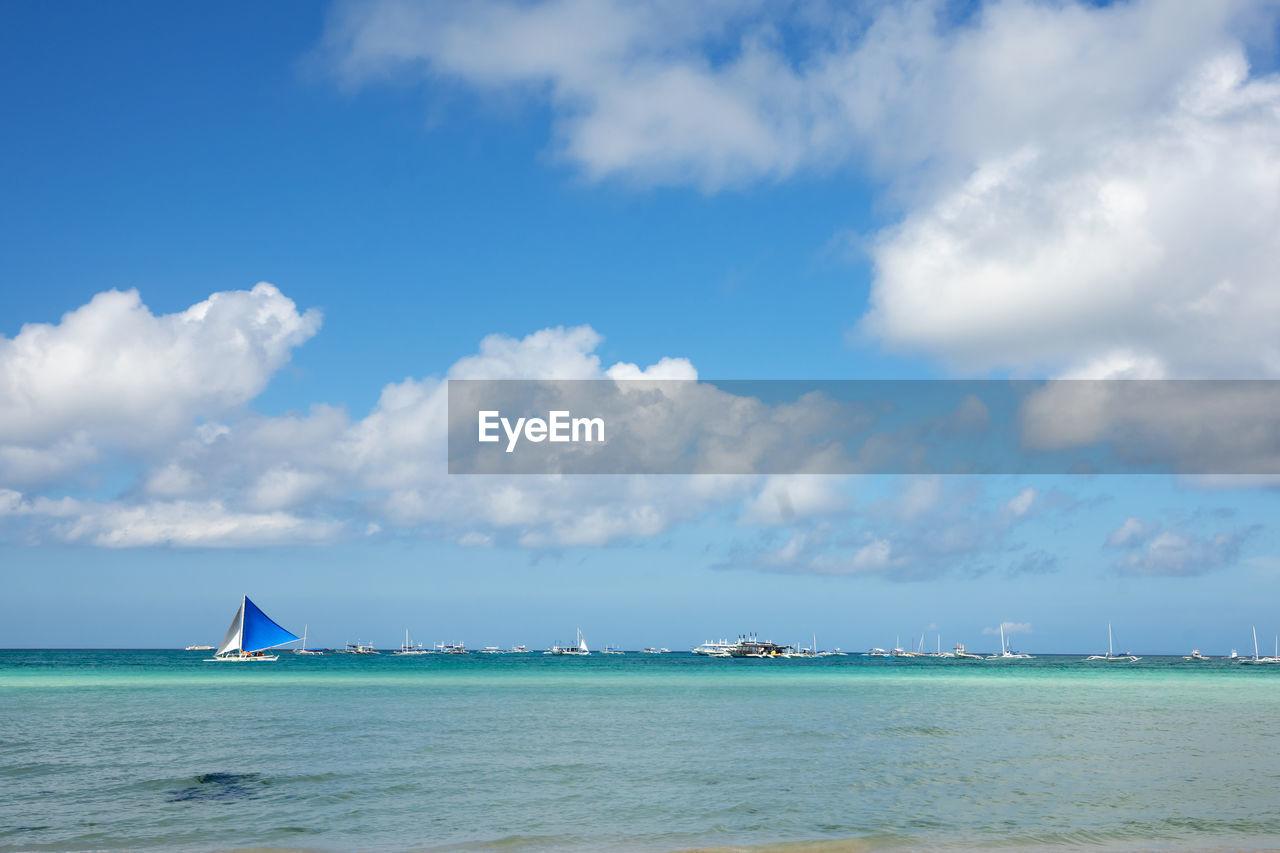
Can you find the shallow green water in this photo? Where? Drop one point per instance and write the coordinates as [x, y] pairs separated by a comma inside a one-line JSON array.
[[159, 750]]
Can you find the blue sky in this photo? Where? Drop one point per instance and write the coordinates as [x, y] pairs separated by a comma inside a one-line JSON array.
[[762, 191]]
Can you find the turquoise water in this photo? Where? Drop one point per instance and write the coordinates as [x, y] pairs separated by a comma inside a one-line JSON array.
[[152, 750]]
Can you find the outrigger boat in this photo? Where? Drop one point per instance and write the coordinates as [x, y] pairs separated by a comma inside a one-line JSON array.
[[251, 634], [410, 649]]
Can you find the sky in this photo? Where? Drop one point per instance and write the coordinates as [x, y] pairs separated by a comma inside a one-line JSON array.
[[244, 247]]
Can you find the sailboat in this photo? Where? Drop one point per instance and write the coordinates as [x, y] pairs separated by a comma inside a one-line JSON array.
[[1111, 656], [1255, 658], [1005, 652], [578, 648], [303, 650], [251, 633]]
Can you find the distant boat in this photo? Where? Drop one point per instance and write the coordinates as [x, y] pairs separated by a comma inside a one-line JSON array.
[[650, 650], [359, 648], [458, 648], [1255, 658], [198, 648], [711, 648], [612, 650], [303, 650], [1195, 655], [519, 650], [492, 650], [407, 649], [962, 654], [1005, 652], [578, 648], [251, 634], [1111, 656]]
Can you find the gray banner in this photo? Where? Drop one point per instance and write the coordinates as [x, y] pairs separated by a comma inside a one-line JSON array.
[[605, 426]]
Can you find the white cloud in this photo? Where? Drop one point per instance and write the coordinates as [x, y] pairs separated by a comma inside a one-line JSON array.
[[1149, 549], [785, 499], [183, 524], [1087, 189], [1146, 252], [1020, 504], [714, 94], [1132, 530], [111, 374], [1010, 628]]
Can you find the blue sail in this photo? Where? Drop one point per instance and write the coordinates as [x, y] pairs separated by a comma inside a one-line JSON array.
[[260, 632]]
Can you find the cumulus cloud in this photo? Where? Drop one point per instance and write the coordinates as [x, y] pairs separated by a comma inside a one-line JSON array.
[[113, 375], [1145, 253]]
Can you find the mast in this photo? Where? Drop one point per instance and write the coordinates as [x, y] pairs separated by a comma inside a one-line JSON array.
[[1255, 642], [1110, 653], [1002, 648]]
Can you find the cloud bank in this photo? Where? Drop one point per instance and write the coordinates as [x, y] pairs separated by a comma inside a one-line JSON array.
[[1083, 189]]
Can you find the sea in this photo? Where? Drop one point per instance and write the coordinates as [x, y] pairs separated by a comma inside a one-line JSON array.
[[159, 750]]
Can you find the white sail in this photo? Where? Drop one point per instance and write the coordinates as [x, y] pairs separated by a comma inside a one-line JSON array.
[[231, 641], [582, 643]]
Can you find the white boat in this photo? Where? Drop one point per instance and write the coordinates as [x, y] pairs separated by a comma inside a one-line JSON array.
[[251, 635], [303, 650], [1195, 655], [519, 650], [198, 648], [359, 648], [876, 652], [612, 650], [1007, 653], [458, 648], [410, 649], [1111, 656], [578, 648], [492, 650], [1256, 658], [962, 654], [711, 647], [651, 650]]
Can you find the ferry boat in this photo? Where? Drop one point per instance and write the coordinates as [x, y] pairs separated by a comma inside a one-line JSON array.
[[751, 646], [963, 654], [613, 650], [711, 648], [359, 648], [519, 650], [1195, 655], [451, 648], [198, 648], [251, 635]]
